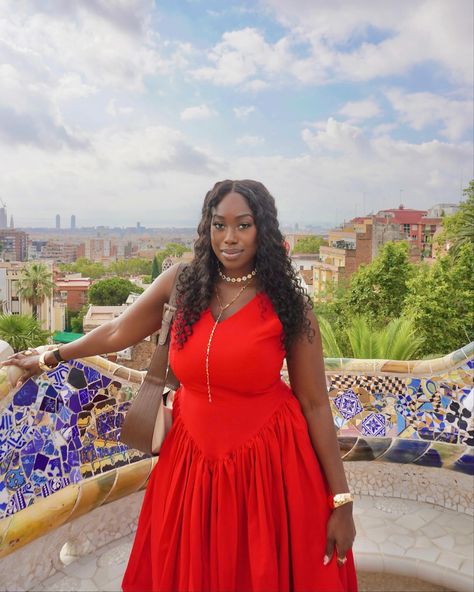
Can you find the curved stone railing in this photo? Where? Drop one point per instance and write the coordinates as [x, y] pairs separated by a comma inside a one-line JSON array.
[[60, 456]]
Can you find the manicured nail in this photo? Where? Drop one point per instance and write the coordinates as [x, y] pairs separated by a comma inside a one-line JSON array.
[[325, 560]]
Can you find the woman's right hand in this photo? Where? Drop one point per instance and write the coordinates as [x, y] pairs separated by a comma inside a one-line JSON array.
[[27, 362]]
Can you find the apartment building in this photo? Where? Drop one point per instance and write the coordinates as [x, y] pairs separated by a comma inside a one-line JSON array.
[[72, 291], [13, 245], [51, 314]]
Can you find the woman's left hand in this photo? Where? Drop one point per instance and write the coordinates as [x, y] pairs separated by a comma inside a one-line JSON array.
[[340, 534]]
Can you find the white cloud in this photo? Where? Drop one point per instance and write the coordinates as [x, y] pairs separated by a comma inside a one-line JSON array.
[[29, 116], [384, 129], [198, 112], [240, 58], [359, 110], [335, 136], [150, 173], [71, 86], [105, 45], [250, 140], [315, 50], [115, 110], [243, 112], [423, 109], [329, 182], [66, 65]]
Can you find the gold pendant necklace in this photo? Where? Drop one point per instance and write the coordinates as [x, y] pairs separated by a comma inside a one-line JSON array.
[[216, 322]]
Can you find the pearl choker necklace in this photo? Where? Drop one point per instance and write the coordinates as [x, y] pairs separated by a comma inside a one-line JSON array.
[[238, 279]]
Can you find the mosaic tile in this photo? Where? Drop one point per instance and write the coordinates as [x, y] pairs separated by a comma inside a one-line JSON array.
[[91, 374], [76, 378], [348, 404], [374, 425], [26, 395], [465, 464], [405, 451]]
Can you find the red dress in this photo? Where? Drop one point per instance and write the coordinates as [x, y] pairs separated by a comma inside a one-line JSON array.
[[237, 501]]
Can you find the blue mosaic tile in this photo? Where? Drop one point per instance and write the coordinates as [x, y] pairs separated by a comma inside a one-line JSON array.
[[6, 423], [374, 425], [465, 464], [54, 467], [405, 451], [28, 461], [431, 458], [91, 374], [15, 478], [84, 397], [48, 405], [26, 395], [59, 374], [348, 404], [41, 462]]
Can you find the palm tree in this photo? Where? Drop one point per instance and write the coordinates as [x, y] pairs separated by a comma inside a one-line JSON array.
[[331, 347], [459, 227], [22, 331], [396, 341], [35, 285], [464, 234]]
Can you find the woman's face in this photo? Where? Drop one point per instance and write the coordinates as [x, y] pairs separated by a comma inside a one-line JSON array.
[[234, 234]]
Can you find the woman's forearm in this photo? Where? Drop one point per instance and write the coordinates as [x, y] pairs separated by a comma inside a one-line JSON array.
[[101, 340], [324, 440]]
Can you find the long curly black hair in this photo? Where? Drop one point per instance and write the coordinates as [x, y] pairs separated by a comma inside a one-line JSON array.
[[275, 271]]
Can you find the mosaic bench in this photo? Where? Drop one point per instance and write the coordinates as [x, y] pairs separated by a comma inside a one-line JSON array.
[[60, 454]]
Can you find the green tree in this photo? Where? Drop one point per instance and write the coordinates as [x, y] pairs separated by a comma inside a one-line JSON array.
[[441, 302], [378, 290], [458, 229], [170, 250], [155, 270], [128, 267], [310, 244], [112, 291], [86, 267], [35, 285], [395, 341], [22, 331], [75, 319]]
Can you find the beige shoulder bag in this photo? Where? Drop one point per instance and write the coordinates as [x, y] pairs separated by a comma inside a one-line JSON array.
[[148, 420]]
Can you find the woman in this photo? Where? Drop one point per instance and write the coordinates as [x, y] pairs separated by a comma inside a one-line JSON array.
[[246, 494]]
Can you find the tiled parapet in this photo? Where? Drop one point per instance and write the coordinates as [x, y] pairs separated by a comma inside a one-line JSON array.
[[60, 455], [405, 411]]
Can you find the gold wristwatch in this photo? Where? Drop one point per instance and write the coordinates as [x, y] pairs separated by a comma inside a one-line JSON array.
[[339, 499]]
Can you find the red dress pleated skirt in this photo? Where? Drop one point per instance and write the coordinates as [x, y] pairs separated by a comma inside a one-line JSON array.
[[237, 501]]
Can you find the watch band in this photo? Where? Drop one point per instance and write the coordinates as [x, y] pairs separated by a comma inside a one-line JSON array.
[[57, 355]]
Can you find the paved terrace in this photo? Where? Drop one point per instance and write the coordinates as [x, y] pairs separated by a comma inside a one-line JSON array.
[[409, 540]]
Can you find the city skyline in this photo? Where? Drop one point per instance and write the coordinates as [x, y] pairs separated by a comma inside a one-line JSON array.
[[124, 112]]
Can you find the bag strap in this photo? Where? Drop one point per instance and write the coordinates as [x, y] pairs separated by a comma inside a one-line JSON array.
[[159, 363]]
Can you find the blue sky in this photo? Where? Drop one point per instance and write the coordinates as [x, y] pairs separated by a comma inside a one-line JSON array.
[[119, 111]]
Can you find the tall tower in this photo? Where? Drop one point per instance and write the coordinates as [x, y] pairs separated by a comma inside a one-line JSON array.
[[58, 221], [73, 222], [3, 214], [11, 222]]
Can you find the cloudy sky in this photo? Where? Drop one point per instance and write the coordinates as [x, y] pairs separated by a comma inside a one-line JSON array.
[[121, 111]]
